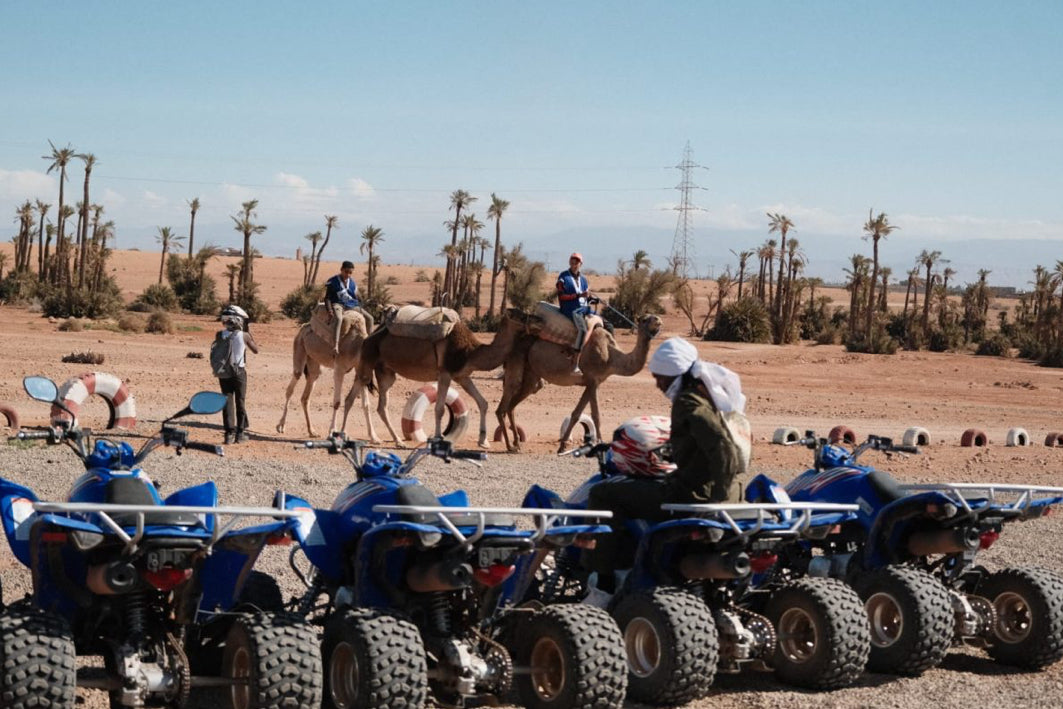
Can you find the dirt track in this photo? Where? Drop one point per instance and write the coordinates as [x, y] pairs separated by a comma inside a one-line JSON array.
[[803, 386]]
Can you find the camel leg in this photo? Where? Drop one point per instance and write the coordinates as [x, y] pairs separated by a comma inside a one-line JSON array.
[[595, 416], [313, 371], [442, 389], [298, 364], [337, 392], [481, 403], [573, 419], [385, 379], [528, 385]]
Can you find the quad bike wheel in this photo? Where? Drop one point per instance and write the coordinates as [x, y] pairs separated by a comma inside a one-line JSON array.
[[671, 644], [574, 657], [1029, 607], [276, 658], [910, 617], [373, 660], [36, 660], [823, 638], [263, 592]]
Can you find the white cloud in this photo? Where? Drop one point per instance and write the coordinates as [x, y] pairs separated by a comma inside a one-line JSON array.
[[153, 200], [361, 189], [20, 185]]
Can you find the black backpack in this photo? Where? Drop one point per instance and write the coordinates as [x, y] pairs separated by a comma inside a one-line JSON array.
[[221, 356]]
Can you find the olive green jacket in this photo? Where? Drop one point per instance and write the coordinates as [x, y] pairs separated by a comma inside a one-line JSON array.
[[708, 460]]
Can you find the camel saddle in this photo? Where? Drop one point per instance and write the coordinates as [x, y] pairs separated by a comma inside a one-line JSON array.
[[421, 323], [559, 328], [322, 324]]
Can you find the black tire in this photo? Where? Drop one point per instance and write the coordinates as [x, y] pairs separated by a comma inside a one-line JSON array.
[[910, 618], [1029, 609], [671, 645], [823, 639], [263, 592], [575, 655], [373, 660], [37, 669], [278, 655]]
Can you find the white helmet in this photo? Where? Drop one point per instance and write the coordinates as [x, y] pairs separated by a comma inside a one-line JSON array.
[[636, 447], [233, 311]]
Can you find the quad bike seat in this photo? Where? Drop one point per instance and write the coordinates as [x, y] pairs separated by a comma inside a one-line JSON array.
[[133, 491], [419, 495], [885, 486]]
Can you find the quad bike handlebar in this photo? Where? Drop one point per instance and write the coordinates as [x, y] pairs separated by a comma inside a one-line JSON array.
[[338, 443]]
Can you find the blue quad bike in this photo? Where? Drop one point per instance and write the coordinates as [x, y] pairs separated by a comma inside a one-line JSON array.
[[911, 553], [417, 596], [163, 589], [705, 593]]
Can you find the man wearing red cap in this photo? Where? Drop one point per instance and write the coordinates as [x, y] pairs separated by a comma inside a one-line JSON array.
[[572, 294]]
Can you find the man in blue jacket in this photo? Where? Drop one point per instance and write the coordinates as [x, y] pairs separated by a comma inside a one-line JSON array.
[[341, 293], [572, 295]]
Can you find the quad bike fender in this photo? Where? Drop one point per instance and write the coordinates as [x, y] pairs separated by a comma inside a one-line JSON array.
[[539, 498], [458, 498], [204, 495], [885, 539], [320, 537], [764, 489], [18, 516]]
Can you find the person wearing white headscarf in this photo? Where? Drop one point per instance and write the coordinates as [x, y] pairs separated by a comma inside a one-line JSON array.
[[708, 459]]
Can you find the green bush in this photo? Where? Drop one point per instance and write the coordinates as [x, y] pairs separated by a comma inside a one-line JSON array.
[[1052, 358], [160, 323], [1030, 347], [484, 323], [18, 287], [256, 308], [996, 346], [421, 277], [299, 303], [744, 320], [157, 296], [65, 302], [193, 287], [948, 339]]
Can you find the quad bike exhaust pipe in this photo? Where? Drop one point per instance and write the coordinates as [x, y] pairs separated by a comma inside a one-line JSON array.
[[116, 577], [943, 541], [708, 565], [444, 575]]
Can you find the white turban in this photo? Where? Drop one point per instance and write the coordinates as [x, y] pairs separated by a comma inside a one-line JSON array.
[[676, 357]]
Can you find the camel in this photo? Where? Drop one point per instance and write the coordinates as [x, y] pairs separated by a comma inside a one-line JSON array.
[[534, 360], [310, 353], [453, 358]]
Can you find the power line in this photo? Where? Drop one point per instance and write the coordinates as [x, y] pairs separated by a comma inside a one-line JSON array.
[[682, 243]]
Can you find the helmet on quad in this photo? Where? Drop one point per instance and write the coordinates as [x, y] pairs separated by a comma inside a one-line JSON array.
[[637, 447]]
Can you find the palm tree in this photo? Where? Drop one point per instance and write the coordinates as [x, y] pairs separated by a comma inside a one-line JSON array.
[[945, 276], [883, 304], [371, 236], [459, 199], [90, 161], [857, 273], [782, 224], [167, 239], [495, 211], [875, 228], [913, 288], [927, 259], [331, 222], [42, 209], [246, 226], [743, 259], [60, 158], [309, 261], [193, 205], [640, 259], [231, 272], [62, 272]]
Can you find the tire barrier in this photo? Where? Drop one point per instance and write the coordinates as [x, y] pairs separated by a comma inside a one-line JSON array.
[[586, 421], [785, 435], [520, 434], [423, 399], [974, 437], [7, 411], [1054, 439], [76, 391], [917, 436], [1017, 437], [842, 434]]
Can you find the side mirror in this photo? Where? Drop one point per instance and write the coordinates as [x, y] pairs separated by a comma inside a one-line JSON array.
[[41, 389], [207, 402]]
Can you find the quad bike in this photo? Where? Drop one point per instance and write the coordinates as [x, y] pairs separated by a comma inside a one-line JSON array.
[[688, 606], [163, 589], [910, 552], [419, 596]]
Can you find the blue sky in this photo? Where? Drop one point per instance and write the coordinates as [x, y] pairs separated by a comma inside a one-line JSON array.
[[945, 115]]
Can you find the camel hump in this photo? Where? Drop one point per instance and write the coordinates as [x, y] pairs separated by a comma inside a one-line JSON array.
[[421, 323], [559, 328], [322, 325]]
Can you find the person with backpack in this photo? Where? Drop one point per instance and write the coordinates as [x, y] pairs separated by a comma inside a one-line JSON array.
[[228, 359], [709, 443]]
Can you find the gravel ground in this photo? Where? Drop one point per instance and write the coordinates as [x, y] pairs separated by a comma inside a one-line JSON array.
[[251, 473]]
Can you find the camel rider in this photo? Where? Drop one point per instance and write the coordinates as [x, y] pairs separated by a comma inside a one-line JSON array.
[[708, 459], [341, 294], [573, 296]]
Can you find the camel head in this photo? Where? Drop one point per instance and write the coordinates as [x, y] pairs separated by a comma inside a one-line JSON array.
[[649, 326], [530, 322]]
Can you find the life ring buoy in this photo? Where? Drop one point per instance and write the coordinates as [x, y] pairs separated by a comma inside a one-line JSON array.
[[9, 413], [76, 390], [418, 404]]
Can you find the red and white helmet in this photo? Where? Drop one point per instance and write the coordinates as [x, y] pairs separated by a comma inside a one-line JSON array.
[[636, 447]]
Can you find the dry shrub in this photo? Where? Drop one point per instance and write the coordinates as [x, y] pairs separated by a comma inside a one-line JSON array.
[[131, 323], [71, 325], [84, 358], [161, 323], [194, 355]]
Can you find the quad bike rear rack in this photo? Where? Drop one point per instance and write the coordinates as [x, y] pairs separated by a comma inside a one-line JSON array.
[[544, 518], [730, 512], [1022, 499]]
